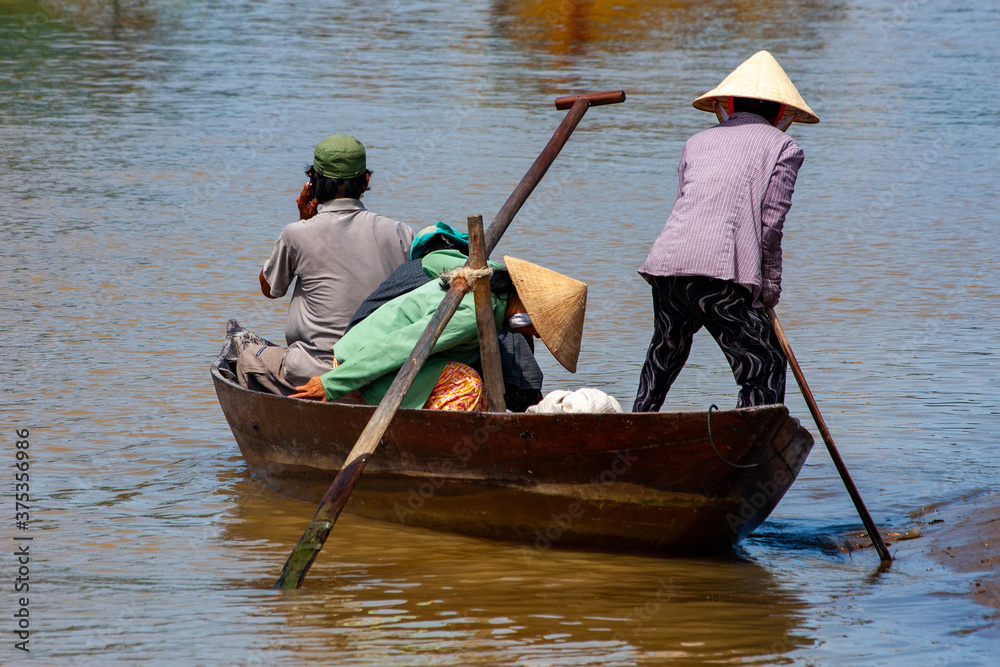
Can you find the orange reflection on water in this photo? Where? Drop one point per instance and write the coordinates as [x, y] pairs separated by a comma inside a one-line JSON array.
[[567, 27]]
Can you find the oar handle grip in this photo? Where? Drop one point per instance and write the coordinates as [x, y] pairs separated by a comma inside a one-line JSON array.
[[595, 99]]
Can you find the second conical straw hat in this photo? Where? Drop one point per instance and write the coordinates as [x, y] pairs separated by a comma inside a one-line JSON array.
[[761, 78], [556, 305]]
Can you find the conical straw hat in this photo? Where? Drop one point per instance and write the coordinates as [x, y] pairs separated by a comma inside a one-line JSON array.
[[556, 305], [760, 78]]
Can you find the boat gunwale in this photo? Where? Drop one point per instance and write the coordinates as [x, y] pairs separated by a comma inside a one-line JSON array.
[[450, 415]]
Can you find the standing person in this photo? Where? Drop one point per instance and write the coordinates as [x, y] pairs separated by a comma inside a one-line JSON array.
[[339, 251], [717, 261]]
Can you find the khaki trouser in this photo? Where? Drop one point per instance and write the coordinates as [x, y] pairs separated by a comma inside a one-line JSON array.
[[263, 369]]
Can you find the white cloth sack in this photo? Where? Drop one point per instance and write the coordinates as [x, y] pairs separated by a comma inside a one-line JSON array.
[[586, 399]]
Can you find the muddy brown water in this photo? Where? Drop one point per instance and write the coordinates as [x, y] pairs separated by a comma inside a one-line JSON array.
[[152, 151]]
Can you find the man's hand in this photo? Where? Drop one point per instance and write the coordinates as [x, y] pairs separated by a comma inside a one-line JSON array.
[[312, 390], [307, 205]]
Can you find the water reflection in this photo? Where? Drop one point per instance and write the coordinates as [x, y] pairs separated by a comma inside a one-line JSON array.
[[152, 149], [379, 588], [575, 28], [30, 18]]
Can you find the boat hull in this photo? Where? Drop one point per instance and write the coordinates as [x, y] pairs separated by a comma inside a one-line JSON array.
[[650, 482]]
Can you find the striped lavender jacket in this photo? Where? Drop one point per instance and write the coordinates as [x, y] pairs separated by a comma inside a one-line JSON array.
[[735, 187]]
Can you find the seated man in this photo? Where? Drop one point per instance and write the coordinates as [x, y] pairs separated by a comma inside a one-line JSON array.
[[526, 297], [340, 252]]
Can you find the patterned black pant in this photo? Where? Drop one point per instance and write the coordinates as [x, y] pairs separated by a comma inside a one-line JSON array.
[[684, 304]]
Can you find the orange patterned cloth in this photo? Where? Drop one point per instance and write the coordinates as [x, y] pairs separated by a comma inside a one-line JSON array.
[[458, 388]]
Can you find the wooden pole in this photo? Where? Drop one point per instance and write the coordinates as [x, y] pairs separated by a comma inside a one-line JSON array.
[[859, 504], [333, 502], [489, 348]]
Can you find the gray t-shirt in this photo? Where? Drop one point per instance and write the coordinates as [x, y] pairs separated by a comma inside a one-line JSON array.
[[340, 256]]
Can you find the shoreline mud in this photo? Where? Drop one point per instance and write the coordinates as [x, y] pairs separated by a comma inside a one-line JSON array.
[[961, 535], [964, 536]]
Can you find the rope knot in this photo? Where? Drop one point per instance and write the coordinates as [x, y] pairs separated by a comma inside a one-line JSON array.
[[467, 272]]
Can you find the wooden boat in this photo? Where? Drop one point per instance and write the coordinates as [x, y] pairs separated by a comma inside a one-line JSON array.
[[651, 482]]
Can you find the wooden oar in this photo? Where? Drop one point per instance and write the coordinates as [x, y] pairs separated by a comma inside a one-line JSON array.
[[577, 105], [333, 502], [859, 504]]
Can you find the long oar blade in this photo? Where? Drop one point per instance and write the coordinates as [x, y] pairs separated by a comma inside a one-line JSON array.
[[333, 502]]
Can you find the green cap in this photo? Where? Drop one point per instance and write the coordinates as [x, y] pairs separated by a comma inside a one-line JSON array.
[[339, 156]]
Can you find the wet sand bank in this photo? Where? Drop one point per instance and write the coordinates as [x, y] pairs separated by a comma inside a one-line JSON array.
[[964, 536]]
